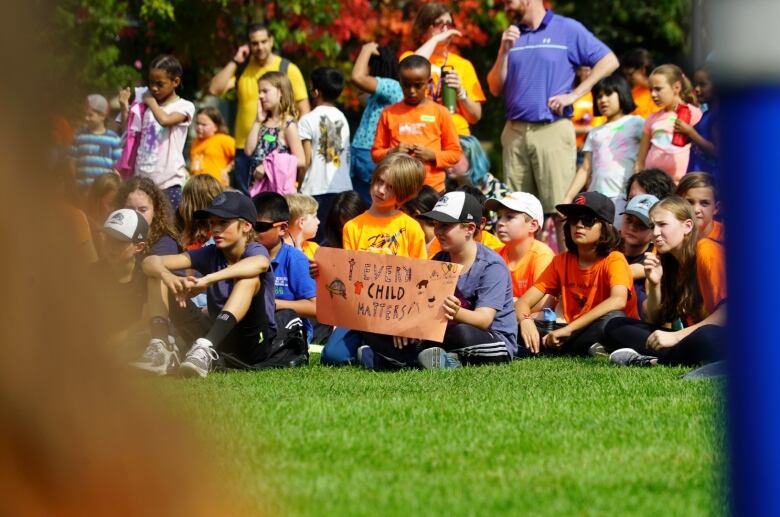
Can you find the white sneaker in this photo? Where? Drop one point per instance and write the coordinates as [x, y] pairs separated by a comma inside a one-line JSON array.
[[198, 360], [436, 358], [630, 357], [159, 358]]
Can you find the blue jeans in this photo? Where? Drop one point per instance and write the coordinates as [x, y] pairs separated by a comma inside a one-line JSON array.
[[341, 347], [362, 169], [240, 178]]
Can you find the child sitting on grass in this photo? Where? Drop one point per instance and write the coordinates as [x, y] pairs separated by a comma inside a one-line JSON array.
[[698, 189], [303, 223], [383, 228], [482, 327], [417, 126], [237, 326], [294, 290], [520, 217], [592, 280], [636, 237]]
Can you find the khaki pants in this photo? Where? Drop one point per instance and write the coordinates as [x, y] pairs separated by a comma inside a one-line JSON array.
[[540, 158]]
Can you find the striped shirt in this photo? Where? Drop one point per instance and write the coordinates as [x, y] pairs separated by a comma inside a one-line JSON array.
[[95, 154]]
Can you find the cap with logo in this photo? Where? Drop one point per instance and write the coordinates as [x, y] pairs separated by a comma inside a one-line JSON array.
[[230, 205], [595, 202], [522, 202], [127, 225], [456, 207], [640, 206]]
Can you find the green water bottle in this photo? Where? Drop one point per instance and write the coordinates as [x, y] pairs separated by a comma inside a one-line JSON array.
[[449, 97]]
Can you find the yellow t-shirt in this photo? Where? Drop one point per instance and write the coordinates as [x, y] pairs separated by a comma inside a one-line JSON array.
[[488, 239], [529, 268], [212, 155], [308, 248], [395, 235], [247, 92], [468, 79]]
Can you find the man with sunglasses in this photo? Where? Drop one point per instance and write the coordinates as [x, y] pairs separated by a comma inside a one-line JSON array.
[[534, 70]]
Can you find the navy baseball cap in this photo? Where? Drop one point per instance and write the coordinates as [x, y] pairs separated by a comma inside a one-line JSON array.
[[230, 205], [595, 202]]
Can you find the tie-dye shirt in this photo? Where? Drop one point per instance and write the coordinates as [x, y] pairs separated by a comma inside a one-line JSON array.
[[614, 146]]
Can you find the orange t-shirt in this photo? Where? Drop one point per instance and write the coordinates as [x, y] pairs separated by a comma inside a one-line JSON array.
[[212, 155], [644, 102], [710, 277], [427, 124], [468, 80], [580, 290], [529, 268], [718, 232], [398, 234], [488, 239]]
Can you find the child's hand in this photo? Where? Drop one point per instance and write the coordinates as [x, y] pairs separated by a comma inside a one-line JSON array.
[[259, 172], [241, 54], [149, 99], [314, 269], [556, 338], [451, 307], [124, 98], [402, 342], [179, 286], [654, 271], [423, 153], [405, 148], [261, 114], [530, 335], [452, 79], [372, 48], [662, 339], [682, 127]]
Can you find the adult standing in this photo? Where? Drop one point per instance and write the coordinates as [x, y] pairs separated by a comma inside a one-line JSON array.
[[249, 63], [535, 70]]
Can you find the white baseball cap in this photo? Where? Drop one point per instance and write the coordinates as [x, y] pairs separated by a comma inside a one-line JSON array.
[[127, 225], [522, 202]]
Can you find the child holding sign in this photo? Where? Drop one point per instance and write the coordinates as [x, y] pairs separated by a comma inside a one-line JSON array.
[[383, 228], [482, 328]]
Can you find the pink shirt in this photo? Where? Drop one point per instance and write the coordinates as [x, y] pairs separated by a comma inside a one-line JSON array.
[[664, 155]]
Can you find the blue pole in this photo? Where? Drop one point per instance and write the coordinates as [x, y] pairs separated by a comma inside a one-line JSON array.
[[748, 71]]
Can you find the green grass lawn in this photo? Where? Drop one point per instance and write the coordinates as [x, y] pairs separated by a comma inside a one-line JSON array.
[[540, 437]]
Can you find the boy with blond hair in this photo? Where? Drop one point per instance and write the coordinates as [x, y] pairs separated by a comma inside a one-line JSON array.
[[303, 223]]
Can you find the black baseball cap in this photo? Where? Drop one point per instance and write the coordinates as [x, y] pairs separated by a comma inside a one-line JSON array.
[[456, 207], [595, 202], [230, 205]]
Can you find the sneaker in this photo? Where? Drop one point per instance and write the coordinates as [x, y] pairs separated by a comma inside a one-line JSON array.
[[597, 350], [159, 358], [365, 357], [436, 357], [198, 360], [630, 357]]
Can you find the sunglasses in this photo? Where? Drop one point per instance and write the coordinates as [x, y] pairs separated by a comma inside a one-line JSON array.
[[587, 220], [264, 226], [443, 25]]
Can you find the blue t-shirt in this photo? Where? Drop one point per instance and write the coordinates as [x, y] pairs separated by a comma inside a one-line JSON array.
[[292, 280], [95, 154], [487, 284], [701, 161], [388, 91], [542, 64], [165, 245], [210, 259]]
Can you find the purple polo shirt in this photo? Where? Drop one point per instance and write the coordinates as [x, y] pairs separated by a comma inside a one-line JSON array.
[[542, 64]]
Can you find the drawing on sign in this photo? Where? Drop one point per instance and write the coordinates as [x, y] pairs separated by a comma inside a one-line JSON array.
[[337, 288]]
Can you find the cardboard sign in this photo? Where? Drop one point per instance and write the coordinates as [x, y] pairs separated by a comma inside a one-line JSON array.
[[384, 294]]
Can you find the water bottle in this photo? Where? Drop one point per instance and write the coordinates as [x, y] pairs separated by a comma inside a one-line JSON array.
[[683, 113], [449, 97], [548, 319]]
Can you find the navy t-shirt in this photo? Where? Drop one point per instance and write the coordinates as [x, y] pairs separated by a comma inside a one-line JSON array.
[[487, 283], [291, 278], [165, 245], [210, 259]]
